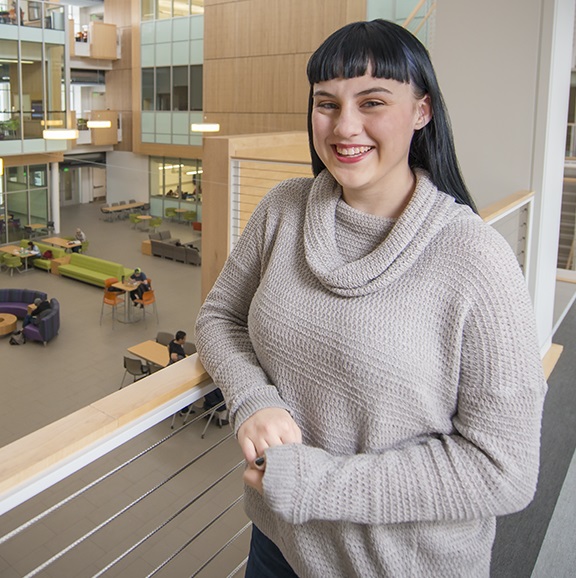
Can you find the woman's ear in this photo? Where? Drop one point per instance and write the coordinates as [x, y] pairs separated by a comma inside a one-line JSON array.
[[424, 112]]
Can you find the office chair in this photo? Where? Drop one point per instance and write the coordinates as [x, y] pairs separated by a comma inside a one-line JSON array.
[[135, 368], [164, 337]]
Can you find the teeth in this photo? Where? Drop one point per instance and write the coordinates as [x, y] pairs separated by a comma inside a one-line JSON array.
[[353, 151]]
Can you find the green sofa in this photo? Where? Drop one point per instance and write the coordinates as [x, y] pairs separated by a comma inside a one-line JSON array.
[[92, 270], [40, 262]]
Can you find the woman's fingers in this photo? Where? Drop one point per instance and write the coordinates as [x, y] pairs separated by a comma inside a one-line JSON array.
[[267, 428], [253, 478]]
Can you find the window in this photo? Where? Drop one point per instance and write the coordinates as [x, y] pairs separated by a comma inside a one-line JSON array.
[[196, 87], [180, 88], [176, 88], [163, 88], [147, 89]]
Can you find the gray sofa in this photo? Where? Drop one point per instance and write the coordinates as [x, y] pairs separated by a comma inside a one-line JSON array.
[[165, 236], [183, 253]]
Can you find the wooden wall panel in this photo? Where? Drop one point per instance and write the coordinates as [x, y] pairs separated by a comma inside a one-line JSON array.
[[103, 39], [255, 55], [279, 149], [257, 178], [105, 136], [119, 12]]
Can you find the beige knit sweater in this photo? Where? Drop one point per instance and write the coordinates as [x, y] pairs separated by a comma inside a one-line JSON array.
[[406, 352]]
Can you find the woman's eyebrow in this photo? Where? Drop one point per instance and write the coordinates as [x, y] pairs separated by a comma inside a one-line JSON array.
[[361, 93]]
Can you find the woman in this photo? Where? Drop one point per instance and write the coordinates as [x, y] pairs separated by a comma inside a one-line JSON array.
[[374, 339]]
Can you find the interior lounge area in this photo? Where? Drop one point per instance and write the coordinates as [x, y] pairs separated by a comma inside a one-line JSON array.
[[156, 127]]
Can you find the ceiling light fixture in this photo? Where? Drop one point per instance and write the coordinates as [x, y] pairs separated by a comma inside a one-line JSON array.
[[60, 134], [205, 127], [51, 122], [99, 124]]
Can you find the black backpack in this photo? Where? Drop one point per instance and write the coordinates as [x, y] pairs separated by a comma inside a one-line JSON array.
[[17, 338]]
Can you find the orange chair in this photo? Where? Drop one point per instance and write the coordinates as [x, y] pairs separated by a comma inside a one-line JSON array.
[[148, 298], [109, 282], [114, 300]]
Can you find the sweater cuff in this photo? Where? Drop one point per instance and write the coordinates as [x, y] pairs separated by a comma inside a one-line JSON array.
[[284, 483], [261, 398]]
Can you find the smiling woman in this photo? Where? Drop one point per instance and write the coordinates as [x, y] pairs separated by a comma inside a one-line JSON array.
[[374, 338]]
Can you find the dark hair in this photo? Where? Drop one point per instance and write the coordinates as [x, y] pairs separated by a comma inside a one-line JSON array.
[[180, 335], [392, 52]]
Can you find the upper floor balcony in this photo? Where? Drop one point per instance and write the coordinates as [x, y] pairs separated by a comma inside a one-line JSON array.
[[97, 40]]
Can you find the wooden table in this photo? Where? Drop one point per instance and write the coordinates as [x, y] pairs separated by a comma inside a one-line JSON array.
[[63, 243], [122, 207], [142, 219], [8, 324], [127, 287], [152, 352], [36, 225], [19, 252]]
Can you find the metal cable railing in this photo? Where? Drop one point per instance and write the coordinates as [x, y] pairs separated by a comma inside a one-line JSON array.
[[200, 528]]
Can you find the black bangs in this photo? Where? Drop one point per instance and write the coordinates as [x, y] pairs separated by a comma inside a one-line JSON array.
[[353, 50]]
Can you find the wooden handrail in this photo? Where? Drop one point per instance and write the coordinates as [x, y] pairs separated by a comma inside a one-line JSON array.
[[505, 205], [412, 14], [425, 19]]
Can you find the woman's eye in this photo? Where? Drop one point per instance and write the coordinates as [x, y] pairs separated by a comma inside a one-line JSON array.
[[372, 103], [326, 105]]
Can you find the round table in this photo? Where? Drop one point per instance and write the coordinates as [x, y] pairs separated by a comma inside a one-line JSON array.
[[7, 323]]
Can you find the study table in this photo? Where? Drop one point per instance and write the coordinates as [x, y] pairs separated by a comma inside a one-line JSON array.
[[19, 252], [63, 243], [152, 352], [127, 287], [122, 207]]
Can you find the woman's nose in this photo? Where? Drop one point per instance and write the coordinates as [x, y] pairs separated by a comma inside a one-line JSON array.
[[348, 123]]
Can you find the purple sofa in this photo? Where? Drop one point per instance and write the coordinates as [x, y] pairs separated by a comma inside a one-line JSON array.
[[46, 326], [16, 301]]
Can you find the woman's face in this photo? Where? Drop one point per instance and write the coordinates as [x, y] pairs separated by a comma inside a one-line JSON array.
[[362, 130]]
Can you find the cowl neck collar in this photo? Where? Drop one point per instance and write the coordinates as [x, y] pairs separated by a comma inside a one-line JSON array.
[[427, 212]]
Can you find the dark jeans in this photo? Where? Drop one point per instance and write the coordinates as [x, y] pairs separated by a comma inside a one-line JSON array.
[[265, 559]]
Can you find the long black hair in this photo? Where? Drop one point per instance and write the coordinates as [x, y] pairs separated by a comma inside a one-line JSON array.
[[391, 52]]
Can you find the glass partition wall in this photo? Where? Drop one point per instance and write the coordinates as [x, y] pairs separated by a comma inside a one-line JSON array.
[[32, 94], [23, 201], [176, 189]]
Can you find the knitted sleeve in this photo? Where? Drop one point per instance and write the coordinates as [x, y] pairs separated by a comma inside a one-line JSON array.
[[487, 466], [222, 338]]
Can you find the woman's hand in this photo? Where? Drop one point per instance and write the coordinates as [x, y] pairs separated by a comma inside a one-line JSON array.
[[265, 429]]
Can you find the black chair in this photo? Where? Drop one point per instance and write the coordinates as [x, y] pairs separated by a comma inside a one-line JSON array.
[[135, 368], [164, 337], [189, 348]]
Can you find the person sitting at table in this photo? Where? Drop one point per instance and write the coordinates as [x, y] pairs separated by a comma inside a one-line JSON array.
[[139, 275], [79, 236], [33, 250], [40, 305], [176, 353], [176, 347]]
